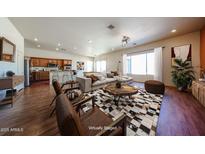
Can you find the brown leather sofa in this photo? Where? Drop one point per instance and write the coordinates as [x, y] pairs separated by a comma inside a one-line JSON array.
[[92, 122]]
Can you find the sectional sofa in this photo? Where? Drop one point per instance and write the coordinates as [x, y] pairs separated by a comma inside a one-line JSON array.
[[86, 84]]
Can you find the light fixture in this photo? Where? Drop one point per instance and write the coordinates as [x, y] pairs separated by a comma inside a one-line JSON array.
[[38, 45], [125, 40], [59, 44], [35, 39], [57, 49], [173, 30], [111, 27], [75, 48], [90, 41]]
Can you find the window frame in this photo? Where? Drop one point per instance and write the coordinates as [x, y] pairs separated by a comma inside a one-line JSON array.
[[130, 57]]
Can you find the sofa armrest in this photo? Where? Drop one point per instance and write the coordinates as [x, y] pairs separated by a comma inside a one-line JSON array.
[[85, 83]]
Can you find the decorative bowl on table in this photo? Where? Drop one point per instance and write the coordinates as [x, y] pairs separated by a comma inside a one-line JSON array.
[[118, 84], [10, 73]]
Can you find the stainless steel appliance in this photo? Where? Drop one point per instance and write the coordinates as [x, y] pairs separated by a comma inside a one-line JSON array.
[[67, 67]]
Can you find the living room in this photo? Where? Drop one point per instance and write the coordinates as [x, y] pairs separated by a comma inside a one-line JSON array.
[[102, 76], [132, 65]]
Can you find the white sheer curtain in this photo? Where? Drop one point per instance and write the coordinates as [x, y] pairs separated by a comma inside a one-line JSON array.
[[124, 59], [158, 64]]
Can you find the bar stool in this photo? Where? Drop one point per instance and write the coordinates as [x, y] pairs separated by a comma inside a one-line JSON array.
[[66, 77]]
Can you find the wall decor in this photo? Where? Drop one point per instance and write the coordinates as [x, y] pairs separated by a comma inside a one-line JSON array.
[[7, 50], [80, 65], [181, 52]]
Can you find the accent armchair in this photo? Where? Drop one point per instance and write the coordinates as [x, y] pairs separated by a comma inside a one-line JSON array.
[[92, 122]]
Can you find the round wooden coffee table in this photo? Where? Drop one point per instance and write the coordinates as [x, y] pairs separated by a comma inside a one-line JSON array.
[[125, 90]]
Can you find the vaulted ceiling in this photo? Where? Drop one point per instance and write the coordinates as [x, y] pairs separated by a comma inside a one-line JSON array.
[[90, 36]]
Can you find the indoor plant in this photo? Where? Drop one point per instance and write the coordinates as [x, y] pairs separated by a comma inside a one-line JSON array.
[[182, 74]]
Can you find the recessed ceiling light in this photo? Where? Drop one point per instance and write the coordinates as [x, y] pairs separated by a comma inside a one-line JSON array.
[[59, 44], [173, 30], [35, 39], [38, 45], [75, 48], [57, 49], [90, 41]]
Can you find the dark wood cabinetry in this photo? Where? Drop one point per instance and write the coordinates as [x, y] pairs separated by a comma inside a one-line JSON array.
[[40, 75], [43, 62], [35, 62], [67, 62]]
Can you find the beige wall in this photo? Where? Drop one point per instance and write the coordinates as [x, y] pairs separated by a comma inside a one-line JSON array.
[[9, 31], [191, 38]]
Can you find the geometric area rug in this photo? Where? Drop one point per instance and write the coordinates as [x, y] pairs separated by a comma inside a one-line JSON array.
[[142, 110]]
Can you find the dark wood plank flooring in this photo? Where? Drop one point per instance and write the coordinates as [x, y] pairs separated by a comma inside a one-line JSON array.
[[180, 113]]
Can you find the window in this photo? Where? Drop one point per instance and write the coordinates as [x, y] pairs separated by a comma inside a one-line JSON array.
[[89, 66], [141, 64], [101, 66]]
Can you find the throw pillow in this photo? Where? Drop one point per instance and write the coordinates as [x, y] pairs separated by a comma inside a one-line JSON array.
[[100, 77], [93, 78], [115, 73], [110, 75]]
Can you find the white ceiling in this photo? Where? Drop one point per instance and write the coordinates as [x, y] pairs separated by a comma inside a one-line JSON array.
[[74, 33]]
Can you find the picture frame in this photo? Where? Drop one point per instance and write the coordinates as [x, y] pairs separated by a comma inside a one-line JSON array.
[[181, 52]]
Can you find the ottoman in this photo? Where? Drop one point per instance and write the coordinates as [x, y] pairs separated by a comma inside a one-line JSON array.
[[154, 87]]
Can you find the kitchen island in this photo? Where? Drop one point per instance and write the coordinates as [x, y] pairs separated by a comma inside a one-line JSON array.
[[61, 76]]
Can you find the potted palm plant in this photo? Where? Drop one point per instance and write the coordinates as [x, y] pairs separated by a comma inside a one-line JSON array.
[[182, 74]]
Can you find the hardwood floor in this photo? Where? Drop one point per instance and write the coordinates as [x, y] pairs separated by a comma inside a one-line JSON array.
[[180, 113], [30, 112]]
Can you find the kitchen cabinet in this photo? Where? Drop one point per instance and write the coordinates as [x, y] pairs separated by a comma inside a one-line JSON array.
[[60, 63], [67, 62], [43, 62], [35, 62], [40, 75]]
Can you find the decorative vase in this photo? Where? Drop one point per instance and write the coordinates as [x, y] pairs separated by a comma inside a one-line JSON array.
[[118, 84]]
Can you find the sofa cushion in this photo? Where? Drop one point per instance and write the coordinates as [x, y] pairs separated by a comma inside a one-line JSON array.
[[100, 77], [107, 80], [115, 73], [92, 73], [126, 78], [110, 75]]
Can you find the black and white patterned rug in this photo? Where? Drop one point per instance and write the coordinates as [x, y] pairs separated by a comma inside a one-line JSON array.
[[142, 110]]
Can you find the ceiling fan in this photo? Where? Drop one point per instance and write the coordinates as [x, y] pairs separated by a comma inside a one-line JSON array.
[[125, 40]]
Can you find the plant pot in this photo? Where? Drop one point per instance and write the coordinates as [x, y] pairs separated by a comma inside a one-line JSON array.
[[182, 88]]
